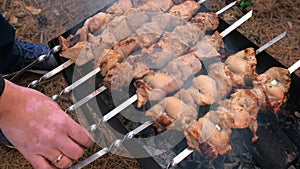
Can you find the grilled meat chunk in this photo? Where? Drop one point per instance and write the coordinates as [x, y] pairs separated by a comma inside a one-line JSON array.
[[185, 10], [206, 21], [172, 113], [207, 137]]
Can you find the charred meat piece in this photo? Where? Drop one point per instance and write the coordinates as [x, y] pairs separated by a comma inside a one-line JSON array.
[[136, 6], [96, 22], [218, 72], [153, 5], [91, 25], [205, 49]]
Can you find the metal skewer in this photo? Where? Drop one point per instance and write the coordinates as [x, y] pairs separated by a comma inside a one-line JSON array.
[[77, 83], [271, 42], [186, 152], [40, 59], [115, 144], [51, 73]]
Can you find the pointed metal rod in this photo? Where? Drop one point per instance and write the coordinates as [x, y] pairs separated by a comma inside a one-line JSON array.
[[37, 61], [76, 83], [237, 24], [51, 73], [85, 99], [114, 145]]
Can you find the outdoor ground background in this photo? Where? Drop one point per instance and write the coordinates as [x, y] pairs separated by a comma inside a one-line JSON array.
[[43, 20]]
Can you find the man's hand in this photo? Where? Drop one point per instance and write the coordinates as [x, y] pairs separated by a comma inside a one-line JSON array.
[[39, 129]]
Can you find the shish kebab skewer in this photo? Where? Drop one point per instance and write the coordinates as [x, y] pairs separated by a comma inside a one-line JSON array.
[[104, 69], [223, 76], [186, 152], [134, 98], [145, 125], [104, 119], [168, 83], [113, 56], [91, 24], [122, 106]]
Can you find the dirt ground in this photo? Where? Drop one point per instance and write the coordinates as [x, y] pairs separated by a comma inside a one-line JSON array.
[[41, 21]]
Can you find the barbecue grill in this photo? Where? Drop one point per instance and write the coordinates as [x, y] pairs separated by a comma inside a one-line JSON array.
[[279, 135]]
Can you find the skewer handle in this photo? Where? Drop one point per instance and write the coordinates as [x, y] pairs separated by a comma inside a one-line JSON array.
[[51, 73], [115, 144]]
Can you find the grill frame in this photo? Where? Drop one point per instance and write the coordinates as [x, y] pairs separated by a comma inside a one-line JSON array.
[[233, 43]]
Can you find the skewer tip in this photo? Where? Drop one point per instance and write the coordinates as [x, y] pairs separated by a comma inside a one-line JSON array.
[[201, 1], [294, 67]]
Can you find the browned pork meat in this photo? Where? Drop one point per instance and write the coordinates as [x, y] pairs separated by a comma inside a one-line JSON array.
[[185, 66], [216, 40], [120, 7], [203, 90], [155, 86], [136, 6], [80, 54], [206, 21], [96, 22], [211, 133], [172, 113], [275, 83], [185, 10], [207, 137], [90, 26], [123, 49], [152, 5], [242, 66]]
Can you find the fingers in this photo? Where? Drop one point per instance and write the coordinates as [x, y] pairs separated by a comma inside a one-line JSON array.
[[39, 162], [61, 161], [58, 159], [71, 149], [79, 134]]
